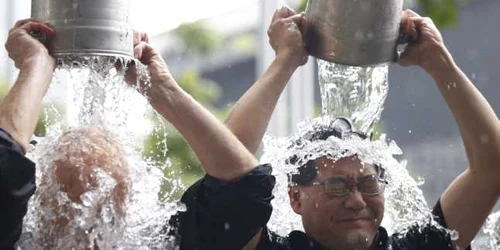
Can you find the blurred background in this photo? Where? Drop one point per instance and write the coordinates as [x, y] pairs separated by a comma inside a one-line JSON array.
[[217, 49]]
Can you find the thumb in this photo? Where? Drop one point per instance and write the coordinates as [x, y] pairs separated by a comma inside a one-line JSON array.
[[406, 58], [145, 53]]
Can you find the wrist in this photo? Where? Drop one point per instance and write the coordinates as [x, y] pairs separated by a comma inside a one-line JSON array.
[[163, 90], [438, 61], [44, 61], [288, 60]]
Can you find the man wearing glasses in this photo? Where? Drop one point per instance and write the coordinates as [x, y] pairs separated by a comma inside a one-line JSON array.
[[342, 207]]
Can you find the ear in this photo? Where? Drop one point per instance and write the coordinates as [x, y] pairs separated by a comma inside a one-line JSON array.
[[294, 194]]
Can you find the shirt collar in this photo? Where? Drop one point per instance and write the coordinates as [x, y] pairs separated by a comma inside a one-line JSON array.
[[299, 240]]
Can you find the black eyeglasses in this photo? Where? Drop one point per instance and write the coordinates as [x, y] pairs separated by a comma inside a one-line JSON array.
[[369, 185]]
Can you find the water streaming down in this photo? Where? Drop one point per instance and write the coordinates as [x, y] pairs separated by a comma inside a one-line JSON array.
[[94, 187], [357, 93], [492, 231], [405, 204]]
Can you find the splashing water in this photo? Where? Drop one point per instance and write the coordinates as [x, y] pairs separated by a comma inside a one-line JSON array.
[[491, 230], [405, 204], [357, 93], [94, 187]]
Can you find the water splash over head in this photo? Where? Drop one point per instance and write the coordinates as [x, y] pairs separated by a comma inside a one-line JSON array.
[[404, 202], [95, 190]]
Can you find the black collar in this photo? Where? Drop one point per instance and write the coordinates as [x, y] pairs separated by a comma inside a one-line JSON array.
[[300, 241]]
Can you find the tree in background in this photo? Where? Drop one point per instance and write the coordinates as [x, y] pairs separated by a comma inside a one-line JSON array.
[[179, 163], [165, 147], [444, 13], [181, 167]]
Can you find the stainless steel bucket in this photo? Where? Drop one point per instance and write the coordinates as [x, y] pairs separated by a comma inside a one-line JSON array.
[[353, 32], [87, 27]]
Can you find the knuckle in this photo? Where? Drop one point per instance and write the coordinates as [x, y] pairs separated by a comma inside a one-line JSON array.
[[427, 21], [281, 21]]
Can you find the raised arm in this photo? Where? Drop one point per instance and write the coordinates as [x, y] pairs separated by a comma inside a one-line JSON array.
[[18, 117], [249, 118], [19, 110], [218, 150], [467, 202]]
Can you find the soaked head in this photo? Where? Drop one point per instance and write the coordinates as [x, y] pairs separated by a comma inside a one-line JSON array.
[[341, 202], [83, 190]]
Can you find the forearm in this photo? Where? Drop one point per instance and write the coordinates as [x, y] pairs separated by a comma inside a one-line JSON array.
[[250, 116], [19, 110], [219, 151], [477, 122]]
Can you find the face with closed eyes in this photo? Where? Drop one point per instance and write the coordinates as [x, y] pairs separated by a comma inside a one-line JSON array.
[[336, 221]]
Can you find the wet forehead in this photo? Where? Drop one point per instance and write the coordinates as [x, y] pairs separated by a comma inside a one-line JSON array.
[[350, 167]]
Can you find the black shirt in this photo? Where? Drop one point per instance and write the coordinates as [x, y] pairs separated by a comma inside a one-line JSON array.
[[226, 215], [219, 215], [17, 185]]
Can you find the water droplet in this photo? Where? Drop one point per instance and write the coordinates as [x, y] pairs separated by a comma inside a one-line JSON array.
[[453, 235], [420, 181]]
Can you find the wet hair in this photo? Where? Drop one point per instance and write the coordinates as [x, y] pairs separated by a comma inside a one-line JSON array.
[[340, 128]]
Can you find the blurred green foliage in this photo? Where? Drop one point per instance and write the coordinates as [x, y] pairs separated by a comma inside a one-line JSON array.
[[167, 148], [444, 13], [51, 113], [198, 38], [180, 165], [4, 87]]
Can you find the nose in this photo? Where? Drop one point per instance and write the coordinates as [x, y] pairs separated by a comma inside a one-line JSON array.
[[354, 200]]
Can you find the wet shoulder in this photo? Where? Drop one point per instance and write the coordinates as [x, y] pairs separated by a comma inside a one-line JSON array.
[[272, 241], [427, 236]]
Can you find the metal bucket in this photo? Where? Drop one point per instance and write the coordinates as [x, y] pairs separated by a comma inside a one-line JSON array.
[[87, 27], [353, 32]]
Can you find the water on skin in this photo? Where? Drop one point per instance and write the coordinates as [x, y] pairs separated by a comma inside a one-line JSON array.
[[358, 94], [100, 98], [405, 204]]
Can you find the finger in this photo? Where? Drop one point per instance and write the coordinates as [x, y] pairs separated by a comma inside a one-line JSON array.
[[22, 22], [409, 13], [275, 16], [140, 37], [283, 12], [405, 59], [37, 26], [298, 19], [411, 27], [138, 50], [143, 52], [131, 73], [303, 24]]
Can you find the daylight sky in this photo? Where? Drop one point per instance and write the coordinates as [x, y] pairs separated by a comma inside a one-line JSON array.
[[156, 16]]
